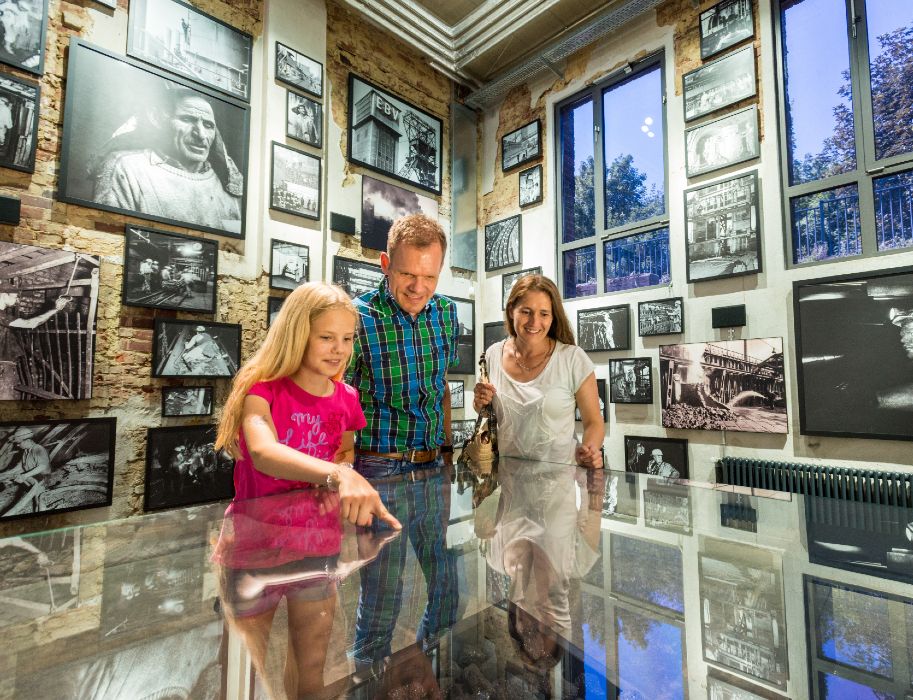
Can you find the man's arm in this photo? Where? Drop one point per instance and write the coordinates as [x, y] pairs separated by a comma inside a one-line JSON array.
[[36, 321]]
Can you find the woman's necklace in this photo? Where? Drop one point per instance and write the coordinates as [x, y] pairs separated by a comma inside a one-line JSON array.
[[536, 366]]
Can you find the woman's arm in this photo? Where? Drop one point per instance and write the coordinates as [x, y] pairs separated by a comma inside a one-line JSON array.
[[589, 454]]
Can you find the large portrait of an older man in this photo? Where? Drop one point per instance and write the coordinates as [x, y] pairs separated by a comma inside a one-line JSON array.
[[139, 142]]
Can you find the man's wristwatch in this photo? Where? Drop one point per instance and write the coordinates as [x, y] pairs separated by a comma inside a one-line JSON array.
[[447, 449]]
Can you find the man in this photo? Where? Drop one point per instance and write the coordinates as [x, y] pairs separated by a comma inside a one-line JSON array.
[[406, 341], [33, 466], [659, 467], [145, 271], [10, 347], [199, 350]]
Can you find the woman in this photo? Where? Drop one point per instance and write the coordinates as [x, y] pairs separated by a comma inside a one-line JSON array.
[[537, 375]]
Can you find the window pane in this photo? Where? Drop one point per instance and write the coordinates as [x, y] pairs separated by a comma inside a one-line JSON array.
[[890, 30], [635, 173], [825, 225], [580, 272], [819, 109], [894, 210], [637, 261], [578, 200]]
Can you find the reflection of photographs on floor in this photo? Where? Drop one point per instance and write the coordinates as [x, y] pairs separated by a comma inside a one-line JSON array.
[[648, 571], [197, 351], [620, 501], [668, 508], [650, 655]]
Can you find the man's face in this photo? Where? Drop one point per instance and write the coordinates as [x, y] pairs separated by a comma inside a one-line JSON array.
[[192, 129], [657, 456], [903, 319], [412, 275]]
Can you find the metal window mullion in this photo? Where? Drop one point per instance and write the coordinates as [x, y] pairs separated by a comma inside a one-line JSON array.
[[783, 141], [599, 186]]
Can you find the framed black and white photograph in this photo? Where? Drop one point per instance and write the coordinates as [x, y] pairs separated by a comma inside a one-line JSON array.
[[531, 186], [857, 382], [195, 348], [661, 317], [667, 507], [722, 142], [735, 385], [723, 229], [461, 431], [49, 305], [521, 146], [466, 343], [55, 466], [164, 270], [303, 119], [295, 182], [23, 24], [666, 457], [178, 37], [289, 264], [183, 469], [725, 24], [602, 395], [299, 71], [509, 279], [723, 82], [606, 328], [180, 401], [457, 393], [273, 304], [382, 203], [356, 276], [390, 136], [631, 380], [140, 142], [502, 243], [492, 333], [19, 102]]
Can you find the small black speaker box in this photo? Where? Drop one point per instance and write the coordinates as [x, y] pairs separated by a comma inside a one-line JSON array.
[[342, 223], [9, 210], [729, 316]]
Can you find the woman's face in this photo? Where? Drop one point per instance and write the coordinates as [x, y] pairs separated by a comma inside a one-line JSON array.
[[532, 316]]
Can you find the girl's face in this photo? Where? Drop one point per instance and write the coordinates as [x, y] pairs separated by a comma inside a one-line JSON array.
[[532, 316], [330, 343]]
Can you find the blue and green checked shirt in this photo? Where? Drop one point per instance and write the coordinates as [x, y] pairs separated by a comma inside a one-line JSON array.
[[399, 366]]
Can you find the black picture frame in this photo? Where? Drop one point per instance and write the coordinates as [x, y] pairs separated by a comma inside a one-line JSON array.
[[76, 479], [382, 203], [216, 354], [720, 83], [172, 480], [517, 146], [661, 317], [299, 71], [509, 279], [723, 229], [530, 186], [184, 401], [602, 393], [639, 457], [461, 430], [457, 393], [631, 380], [492, 333], [356, 276], [108, 94], [466, 342], [273, 304], [303, 119], [725, 24], [503, 243], [374, 116], [607, 328], [167, 270], [289, 264], [27, 50], [23, 99], [722, 142], [294, 182], [224, 64]]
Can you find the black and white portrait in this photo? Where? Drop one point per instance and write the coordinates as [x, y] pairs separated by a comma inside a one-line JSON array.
[[723, 142], [854, 352], [661, 317], [289, 266], [55, 466], [521, 146], [461, 431], [139, 142], [356, 276], [466, 342], [23, 24], [631, 380], [195, 348], [665, 457], [182, 468], [718, 84], [383, 203], [178, 37], [493, 333], [502, 243], [48, 307], [186, 401], [724, 25], [724, 385], [606, 328], [509, 279], [668, 507], [393, 137], [723, 229], [273, 304], [295, 182], [299, 71], [303, 119], [531, 186], [164, 270], [457, 393], [19, 101]]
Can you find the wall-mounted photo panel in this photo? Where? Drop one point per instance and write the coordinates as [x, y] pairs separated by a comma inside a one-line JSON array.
[[19, 102], [138, 141], [661, 317], [638, 260], [356, 276], [180, 401], [631, 380], [724, 385], [503, 243], [457, 393], [725, 24], [164, 270], [606, 328], [722, 142], [719, 84], [509, 279], [55, 466], [648, 572], [289, 264], [531, 186], [666, 457], [299, 71], [295, 182], [303, 119], [493, 333], [23, 25], [521, 146], [195, 348], [382, 204], [273, 304], [466, 315]]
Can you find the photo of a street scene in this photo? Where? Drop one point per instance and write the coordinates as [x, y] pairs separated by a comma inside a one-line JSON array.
[[295, 184], [718, 84], [520, 146]]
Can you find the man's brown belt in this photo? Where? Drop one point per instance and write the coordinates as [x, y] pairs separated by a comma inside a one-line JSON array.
[[414, 456]]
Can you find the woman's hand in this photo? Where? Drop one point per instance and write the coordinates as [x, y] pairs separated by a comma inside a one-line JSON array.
[[482, 395], [359, 502], [588, 456]]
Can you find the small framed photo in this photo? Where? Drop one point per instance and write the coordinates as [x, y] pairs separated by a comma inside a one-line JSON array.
[[521, 146], [295, 182], [457, 393], [303, 119], [180, 401], [461, 431], [492, 333], [661, 317], [667, 457], [725, 24], [273, 304], [356, 276], [509, 279], [718, 84], [502, 243], [19, 100], [631, 380], [299, 71], [466, 343], [531, 186], [23, 25], [722, 142], [195, 348], [183, 469], [601, 392], [165, 270], [606, 328], [289, 265]]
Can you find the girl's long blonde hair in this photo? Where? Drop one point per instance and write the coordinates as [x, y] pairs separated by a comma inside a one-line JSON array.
[[281, 353]]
